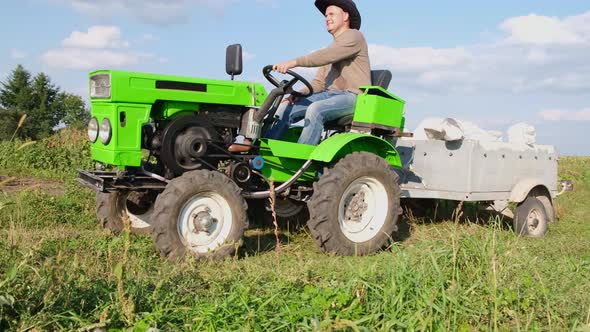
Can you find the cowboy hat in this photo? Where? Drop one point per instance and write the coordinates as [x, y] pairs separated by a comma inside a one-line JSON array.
[[347, 6]]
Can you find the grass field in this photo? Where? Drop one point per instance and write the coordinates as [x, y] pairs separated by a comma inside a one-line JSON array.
[[60, 271]]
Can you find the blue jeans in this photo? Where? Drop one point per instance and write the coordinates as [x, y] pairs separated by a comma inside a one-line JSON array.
[[316, 110]]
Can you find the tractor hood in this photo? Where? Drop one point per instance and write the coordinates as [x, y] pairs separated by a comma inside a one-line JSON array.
[[144, 88]]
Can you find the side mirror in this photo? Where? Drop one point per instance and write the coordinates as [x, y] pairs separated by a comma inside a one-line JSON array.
[[233, 60]]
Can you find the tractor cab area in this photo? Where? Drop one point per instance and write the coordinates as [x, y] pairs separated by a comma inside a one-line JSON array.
[[377, 112]]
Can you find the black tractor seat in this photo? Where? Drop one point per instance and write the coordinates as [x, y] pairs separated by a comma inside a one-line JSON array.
[[380, 78]]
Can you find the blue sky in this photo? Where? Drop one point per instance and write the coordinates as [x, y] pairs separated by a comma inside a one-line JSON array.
[[491, 63]]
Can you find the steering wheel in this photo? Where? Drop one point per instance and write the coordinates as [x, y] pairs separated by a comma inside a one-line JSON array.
[[287, 86]]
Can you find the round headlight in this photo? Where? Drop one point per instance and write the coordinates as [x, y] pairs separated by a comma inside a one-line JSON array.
[[93, 130], [105, 132]]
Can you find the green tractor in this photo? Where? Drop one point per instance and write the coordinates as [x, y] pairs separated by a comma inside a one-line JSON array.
[[161, 147]]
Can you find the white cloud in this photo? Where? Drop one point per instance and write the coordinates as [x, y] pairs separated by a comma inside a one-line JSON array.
[[425, 68], [541, 30], [520, 61], [552, 114], [77, 58], [537, 56], [18, 54], [99, 47], [416, 59], [97, 37], [248, 56], [147, 38], [565, 115], [161, 12]]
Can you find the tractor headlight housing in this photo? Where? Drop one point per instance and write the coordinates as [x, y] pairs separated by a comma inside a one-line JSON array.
[[93, 130], [106, 131], [100, 86]]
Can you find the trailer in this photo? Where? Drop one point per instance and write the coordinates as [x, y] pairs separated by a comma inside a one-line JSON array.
[[494, 173]]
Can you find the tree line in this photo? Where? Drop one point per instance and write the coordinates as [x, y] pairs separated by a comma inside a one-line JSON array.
[[40, 103]]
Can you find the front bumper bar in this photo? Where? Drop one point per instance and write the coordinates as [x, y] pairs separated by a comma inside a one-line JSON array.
[[107, 182]]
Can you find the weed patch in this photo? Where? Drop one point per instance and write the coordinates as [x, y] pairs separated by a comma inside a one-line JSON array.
[[56, 157]]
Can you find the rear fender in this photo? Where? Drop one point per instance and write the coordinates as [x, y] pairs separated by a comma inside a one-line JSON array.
[[526, 186], [534, 188], [340, 145]]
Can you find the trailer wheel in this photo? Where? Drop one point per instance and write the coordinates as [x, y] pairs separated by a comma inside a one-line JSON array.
[[112, 208], [549, 209], [531, 218], [201, 213], [355, 206]]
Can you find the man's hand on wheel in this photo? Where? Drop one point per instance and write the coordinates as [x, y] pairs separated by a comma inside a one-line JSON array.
[[284, 66], [291, 99]]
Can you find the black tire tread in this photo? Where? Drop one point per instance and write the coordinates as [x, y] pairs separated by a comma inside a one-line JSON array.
[[521, 214], [323, 222], [164, 234], [109, 215]]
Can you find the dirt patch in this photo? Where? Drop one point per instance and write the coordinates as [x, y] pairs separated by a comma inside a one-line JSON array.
[[14, 185]]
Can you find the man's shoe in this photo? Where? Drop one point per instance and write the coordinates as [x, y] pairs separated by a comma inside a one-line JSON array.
[[244, 147]]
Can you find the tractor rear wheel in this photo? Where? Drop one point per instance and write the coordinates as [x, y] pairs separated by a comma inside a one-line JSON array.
[[113, 208], [201, 213], [355, 206]]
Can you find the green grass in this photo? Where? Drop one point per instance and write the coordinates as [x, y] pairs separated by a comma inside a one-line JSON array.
[[60, 271]]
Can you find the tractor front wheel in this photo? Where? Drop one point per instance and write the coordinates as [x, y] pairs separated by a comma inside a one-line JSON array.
[[355, 206], [113, 208], [201, 213]]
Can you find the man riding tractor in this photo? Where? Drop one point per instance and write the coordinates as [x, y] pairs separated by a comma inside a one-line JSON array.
[[343, 68]]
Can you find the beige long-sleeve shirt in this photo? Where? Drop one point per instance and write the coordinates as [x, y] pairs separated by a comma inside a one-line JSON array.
[[344, 65]]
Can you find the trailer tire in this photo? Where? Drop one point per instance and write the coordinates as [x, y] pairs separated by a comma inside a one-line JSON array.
[[531, 218], [341, 220], [201, 213], [549, 209], [113, 208]]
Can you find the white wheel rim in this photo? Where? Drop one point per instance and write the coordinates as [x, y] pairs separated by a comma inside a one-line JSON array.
[[142, 220], [204, 223], [363, 209], [534, 222], [138, 221]]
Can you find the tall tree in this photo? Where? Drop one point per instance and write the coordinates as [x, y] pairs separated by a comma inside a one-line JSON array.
[[8, 123], [16, 92], [43, 116], [15, 99], [73, 108], [46, 107]]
